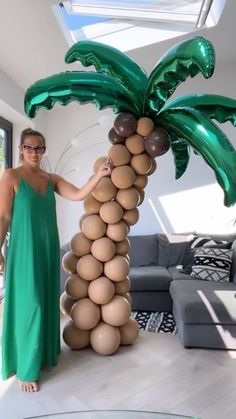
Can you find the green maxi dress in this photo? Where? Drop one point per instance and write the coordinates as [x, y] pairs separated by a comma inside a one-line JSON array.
[[31, 318]]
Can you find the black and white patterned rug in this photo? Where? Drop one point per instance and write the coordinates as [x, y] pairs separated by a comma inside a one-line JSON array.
[[156, 322]]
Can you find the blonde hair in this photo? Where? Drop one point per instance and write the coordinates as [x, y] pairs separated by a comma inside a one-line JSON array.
[[28, 132]]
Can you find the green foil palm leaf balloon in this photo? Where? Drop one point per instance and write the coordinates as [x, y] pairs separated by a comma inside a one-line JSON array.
[[111, 61], [220, 108], [204, 136], [180, 150], [81, 86], [185, 59]]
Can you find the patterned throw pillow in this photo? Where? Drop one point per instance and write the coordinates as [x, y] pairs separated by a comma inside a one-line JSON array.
[[212, 264]]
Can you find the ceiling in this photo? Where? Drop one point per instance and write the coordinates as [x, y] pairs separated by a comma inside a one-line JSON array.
[[33, 46]]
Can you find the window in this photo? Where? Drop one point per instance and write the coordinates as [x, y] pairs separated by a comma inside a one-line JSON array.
[[5, 144]]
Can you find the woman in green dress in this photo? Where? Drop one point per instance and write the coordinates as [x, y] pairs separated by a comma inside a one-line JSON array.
[[31, 329]]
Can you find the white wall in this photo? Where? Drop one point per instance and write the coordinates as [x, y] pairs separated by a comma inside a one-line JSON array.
[[194, 202]]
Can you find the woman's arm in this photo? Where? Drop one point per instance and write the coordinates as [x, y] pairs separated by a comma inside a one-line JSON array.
[[6, 198], [70, 191]]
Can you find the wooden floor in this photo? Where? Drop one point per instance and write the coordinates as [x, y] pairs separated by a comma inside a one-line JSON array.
[[156, 374]]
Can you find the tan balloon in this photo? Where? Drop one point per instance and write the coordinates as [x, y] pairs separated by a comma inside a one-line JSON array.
[[91, 205], [103, 249], [128, 298], [141, 181], [119, 155], [105, 190], [135, 144], [141, 163], [81, 220], [66, 304], [129, 332], [117, 268], [74, 337], [105, 339], [85, 314], [101, 290], [76, 287], [93, 227], [131, 216], [117, 231], [89, 267], [128, 198], [153, 167], [117, 311], [145, 126], [111, 212], [80, 244], [122, 287], [98, 163], [123, 177], [123, 247], [69, 262]]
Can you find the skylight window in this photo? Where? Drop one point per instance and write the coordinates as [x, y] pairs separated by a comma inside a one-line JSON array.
[[131, 24]]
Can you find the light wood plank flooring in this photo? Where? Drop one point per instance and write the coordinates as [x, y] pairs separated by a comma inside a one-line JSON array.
[[156, 374]]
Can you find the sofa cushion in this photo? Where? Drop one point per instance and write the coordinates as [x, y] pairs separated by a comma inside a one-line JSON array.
[[143, 250], [212, 264], [204, 301], [150, 278], [170, 254]]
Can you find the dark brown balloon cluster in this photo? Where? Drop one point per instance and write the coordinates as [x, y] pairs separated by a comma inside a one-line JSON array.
[[96, 296]]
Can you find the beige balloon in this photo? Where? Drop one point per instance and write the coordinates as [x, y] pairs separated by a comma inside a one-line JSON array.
[[123, 177], [105, 190], [91, 205], [128, 198], [105, 339], [117, 268], [119, 155], [85, 314], [141, 181], [103, 249], [122, 287], [117, 311], [66, 304], [69, 262], [98, 163], [141, 163], [117, 231], [101, 290], [111, 212], [145, 126], [129, 332], [76, 287], [153, 167], [93, 227], [123, 247], [74, 337], [141, 196], [81, 220], [80, 244], [89, 268], [135, 144], [131, 216]]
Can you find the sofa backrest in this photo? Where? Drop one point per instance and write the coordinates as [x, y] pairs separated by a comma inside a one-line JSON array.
[[143, 250]]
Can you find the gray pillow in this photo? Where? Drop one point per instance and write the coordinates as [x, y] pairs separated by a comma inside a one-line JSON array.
[[143, 250], [170, 254]]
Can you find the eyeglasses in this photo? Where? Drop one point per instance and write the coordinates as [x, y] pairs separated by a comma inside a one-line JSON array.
[[30, 149]]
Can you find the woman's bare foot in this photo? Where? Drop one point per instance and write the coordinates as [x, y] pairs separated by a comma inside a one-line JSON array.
[[29, 386]]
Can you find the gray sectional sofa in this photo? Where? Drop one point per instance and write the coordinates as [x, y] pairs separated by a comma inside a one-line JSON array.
[[161, 280]]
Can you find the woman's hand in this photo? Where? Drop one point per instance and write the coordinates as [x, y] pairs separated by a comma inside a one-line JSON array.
[[2, 263], [106, 168]]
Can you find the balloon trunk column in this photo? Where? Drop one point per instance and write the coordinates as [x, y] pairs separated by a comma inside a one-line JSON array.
[[96, 294]]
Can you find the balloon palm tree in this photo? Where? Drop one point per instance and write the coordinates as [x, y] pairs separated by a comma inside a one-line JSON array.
[[121, 84], [96, 296]]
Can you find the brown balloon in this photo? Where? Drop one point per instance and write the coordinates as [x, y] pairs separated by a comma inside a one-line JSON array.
[[141, 181], [128, 198], [111, 212], [80, 245], [69, 262], [101, 290], [119, 155], [123, 247], [74, 337], [82, 218], [91, 205], [117, 268], [142, 196], [131, 216], [117, 311], [135, 144], [141, 163], [125, 124], [122, 287], [145, 126], [105, 190], [105, 339], [157, 142], [153, 167], [117, 231], [93, 227], [103, 249], [98, 163], [129, 332], [123, 177], [114, 137], [89, 267], [85, 314], [66, 304], [76, 287]]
